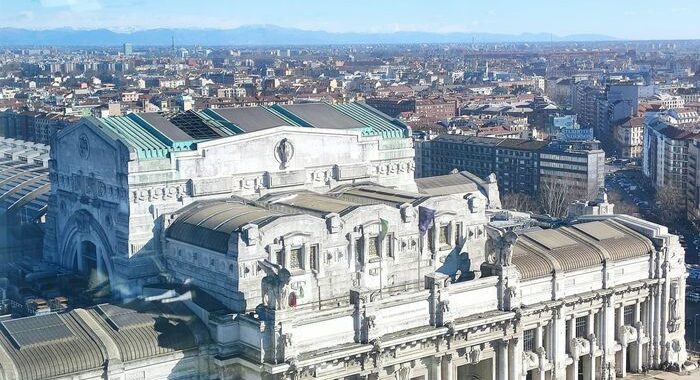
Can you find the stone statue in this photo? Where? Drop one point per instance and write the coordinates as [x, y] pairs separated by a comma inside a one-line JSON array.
[[673, 303], [505, 244], [371, 322], [445, 306], [275, 285], [475, 355], [284, 151], [512, 293], [403, 373]]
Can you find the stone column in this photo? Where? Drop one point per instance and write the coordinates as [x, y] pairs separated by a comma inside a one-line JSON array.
[[515, 358], [621, 367], [436, 368], [637, 363], [593, 340], [571, 337], [558, 346], [502, 358], [607, 341], [651, 310], [447, 371], [574, 368], [657, 326], [623, 360], [572, 328], [665, 295]]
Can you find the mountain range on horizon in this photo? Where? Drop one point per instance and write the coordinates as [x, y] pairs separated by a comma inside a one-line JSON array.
[[261, 35]]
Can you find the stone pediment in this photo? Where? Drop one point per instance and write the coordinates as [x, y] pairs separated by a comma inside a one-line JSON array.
[[281, 149], [76, 136]]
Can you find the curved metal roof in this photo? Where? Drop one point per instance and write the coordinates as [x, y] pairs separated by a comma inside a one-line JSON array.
[[80, 341], [309, 203], [539, 253], [209, 224], [375, 194], [455, 183], [24, 179], [48, 358]]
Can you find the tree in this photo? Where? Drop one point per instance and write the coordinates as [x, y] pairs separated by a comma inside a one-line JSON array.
[[621, 205], [554, 196], [670, 202], [519, 202]]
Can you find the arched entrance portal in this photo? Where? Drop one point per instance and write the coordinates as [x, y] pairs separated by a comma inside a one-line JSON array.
[[93, 268], [86, 250]]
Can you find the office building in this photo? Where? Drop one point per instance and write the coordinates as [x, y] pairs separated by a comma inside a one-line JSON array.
[[666, 152], [520, 166]]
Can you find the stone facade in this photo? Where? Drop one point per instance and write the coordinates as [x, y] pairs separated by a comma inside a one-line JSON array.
[[589, 322], [104, 193], [311, 253]]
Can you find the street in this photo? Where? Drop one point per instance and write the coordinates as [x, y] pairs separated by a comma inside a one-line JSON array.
[[631, 193]]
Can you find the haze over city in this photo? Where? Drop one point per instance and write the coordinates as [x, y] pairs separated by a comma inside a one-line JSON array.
[[619, 19], [350, 190]]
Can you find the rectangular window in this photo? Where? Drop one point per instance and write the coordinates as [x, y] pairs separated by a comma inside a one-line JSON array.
[[389, 245], [582, 327], [431, 240], [443, 236], [373, 248], [529, 340], [458, 233], [295, 259], [629, 315], [279, 257], [313, 257], [358, 250]]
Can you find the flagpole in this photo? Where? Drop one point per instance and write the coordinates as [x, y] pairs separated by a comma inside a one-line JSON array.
[[381, 258]]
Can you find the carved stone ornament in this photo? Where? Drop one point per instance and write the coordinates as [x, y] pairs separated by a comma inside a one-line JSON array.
[[84, 146], [284, 151], [579, 346], [530, 361], [475, 355], [403, 373]]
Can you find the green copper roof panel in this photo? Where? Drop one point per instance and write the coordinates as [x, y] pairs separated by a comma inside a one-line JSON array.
[[145, 144], [375, 125], [163, 130], [212, 115], [221, 125]]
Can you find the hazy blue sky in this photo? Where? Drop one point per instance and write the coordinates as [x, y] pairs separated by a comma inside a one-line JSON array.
[[630, 19]]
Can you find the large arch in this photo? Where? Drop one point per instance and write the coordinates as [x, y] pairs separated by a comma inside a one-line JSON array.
[[82, 239]]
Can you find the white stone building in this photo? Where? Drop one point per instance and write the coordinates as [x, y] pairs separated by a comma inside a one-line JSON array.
[[113, 179], [311, 253]]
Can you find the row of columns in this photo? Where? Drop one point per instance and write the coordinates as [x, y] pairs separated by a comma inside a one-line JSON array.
[[508, 352]]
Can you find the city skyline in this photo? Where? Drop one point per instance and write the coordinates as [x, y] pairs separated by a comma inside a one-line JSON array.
[[621, 20]]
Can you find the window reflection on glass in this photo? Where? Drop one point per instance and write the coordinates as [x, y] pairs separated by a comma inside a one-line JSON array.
[[313, 257], [373, 249], [295, 258], [443, 236]]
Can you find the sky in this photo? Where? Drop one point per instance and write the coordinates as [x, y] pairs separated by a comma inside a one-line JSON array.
[[626, 19]]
